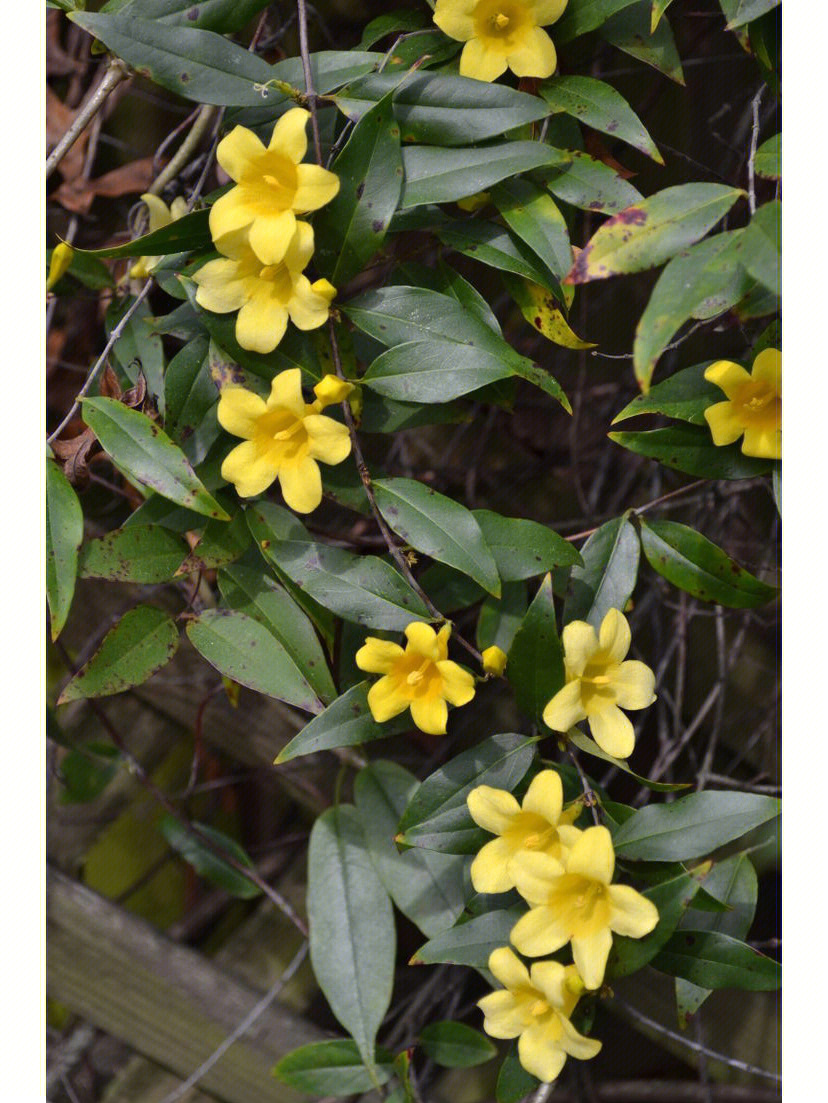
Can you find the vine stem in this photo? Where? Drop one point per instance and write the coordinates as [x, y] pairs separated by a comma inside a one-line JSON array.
[[115, 73], [364, 474], [643, 509]]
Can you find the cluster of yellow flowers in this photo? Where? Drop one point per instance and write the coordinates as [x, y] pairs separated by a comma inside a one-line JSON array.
[[265, 247], [501, 34], [565, 876]]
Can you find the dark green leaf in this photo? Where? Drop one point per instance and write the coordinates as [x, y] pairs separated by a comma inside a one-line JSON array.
[[533, 215], [64, 533], [221, 16], [191, 397], [472, 942], [139, 553], [713, 960], [739, 12], [500, 618], [332, 1068], [597, 104], [768, 160], [347, 722], [437, 175], [672, 898], [89, 271], [496, 247], [514, 1083], [607, 578], [584, 182], [183, 235], [523, 548], [455, 1045], [632, 31], [352, 935], [86, 771], [691, 449], [535, 669], [585, 743], [685, 395], [205, 861], [434, 371], [138, 349], [585, 15], [143, 640], [220, 544], [693, 563], [761, 255], [394, 22]]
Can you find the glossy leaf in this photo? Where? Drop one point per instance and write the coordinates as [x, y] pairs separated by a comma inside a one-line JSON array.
[[514, 1083], [500, 618], [438, 527], [583, 182], [139, 553], [143, 640], [427, 887], [221, 16], [690, 448], [183, 235], [205, 861], [89, 271], [243, 649], [191, 399], [437, 817], [64, 533], [472, 942], [148, 455], [739, 12], [608, 576], [535, 668], [597, 104], [523, 548], [671, 897], [585, 15], [543, 313], [346, 722], [692, 826], [768, 160], [361, 588], [589, 746], [761, 255], [693, 563], [659, 8], [437, 175], [434, 371], [533, 215], [352, 935], [496, 247], [455, 1045], [391, 23], [219, 545], [253, 593], [632, 31], [685, 395], [332, 1068], [713, 960], [352, 228]]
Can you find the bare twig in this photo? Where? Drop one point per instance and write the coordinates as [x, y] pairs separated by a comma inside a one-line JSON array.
[[115, 73], [754, 141], [182, 155]]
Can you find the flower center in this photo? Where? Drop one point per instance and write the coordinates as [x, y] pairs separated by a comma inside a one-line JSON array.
[[538, 1008], [591, 892], [278, 275], [759, 405], [416, 676], [539, 839], [500, 20]]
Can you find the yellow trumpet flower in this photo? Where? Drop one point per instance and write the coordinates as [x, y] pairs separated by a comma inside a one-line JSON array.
[[501, 34]]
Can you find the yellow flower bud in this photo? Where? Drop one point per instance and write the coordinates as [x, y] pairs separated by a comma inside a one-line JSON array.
[[494, 660], [331, 390], [474, 202], [59, 265]]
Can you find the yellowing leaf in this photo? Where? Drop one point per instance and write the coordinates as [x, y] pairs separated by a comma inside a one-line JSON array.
[[541, 310]]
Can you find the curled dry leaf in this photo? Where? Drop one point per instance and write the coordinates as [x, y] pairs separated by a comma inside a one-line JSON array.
[[77, 195], [74, 456]]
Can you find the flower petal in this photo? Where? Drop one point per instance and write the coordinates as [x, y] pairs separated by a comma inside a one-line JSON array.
[[545, 796], [538, 932], [631, 913], [422, 639], [539, 1052], [590, 954], [301, 484], [430, 714], [575, 1044], [308, 309], [535, 56], [547, 11], [228, 215], [592, 856], [286, 392], [612, 731], [443, 636], [239, 410], [458, 684], [315, 187], [536, 875], [238, 152], [725, 422], [378, 656], [480, 63], [160, 214], [248, 469], [580, 642], [454, 18], [504, 1016], [300, 250], [764, 443], [328, 441], [549, 978], [271, 235], [261, 323], [221, 287], [492, 809], [767, 367], [633, 684], [614, 636], [385, 699], [565, 709], [290, 136], [490, 868], [727, 376]]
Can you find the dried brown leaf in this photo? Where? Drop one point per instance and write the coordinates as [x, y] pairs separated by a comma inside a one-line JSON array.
[[77, 195]]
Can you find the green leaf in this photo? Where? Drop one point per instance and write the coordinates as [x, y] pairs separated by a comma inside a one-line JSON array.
[[455, 1045], [544, 314], [693, 563], [221, 16], [597, 104], [86, 771], [444, 279], [139, 553], [654, 230], [346, 722], [608, 576], [205, 861], [768, 160], [434, 371], [352, 936], [589, 746], [692, 826], [659, 8], [191, 398], [438, 527], [220, 544], [395, 22], [583, 182], [685, 395], [437, 817], [147, 454], [332, 1068], [437, 175], [713, 960], [534, 216], [690, 448], [184, 235], [64, 533], [739, 12], [89, 271], [427, 887], [671, 897], [243, 649], [361, 588], [143, 640], [472, 942], [352, 228], [138, 349], [707, 278], [496, 247], [762, 247], [632, 31], [514, 1083], [198, 65], [253, 593], [500, 618], [438, 110], [585, 15], [523, 548], [535, 668]]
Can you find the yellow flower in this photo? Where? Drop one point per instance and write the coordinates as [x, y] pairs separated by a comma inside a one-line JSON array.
[[539, 826], [59, 264], [535, 1008], [331, 389], [474, 202], [272, 186], [494, 660], [421, 677], [753, 407], [160, 215], [264, 295], [284, 439], [598, 682], [501, 34], [578, 903]]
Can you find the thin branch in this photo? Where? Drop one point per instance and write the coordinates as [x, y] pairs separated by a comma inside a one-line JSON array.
[[115, 73], [754, 141], [182, 155], [589, 796]]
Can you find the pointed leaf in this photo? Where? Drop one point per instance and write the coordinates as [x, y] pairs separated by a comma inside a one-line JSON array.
[[455, 1045], [205, 861], [496, 247], [608, 576], [632, 31], [534, 216], [713, 960], [535, 668], [690, 448], [543, 313], [768, 160], [523, 548], [672, 898], [434, 371], [64, 533], [183, 235], [685, 395], [583, 182], [739, 12], [761, 255], [436, 175], [597, 104], [472, 942], [139, 553], [332, 1068], [346, 722], [589, 746]]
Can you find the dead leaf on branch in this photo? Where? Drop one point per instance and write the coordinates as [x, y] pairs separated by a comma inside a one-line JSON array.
[[77, 195], [59, 118]]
